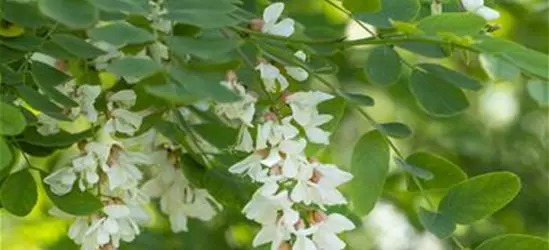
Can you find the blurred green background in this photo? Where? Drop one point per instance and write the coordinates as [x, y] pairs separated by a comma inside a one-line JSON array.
[[506, 128]]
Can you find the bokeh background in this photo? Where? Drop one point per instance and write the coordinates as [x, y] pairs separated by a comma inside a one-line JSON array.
[[506, 128]]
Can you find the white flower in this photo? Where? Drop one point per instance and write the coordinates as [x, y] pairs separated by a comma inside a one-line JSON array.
[[245, 141], [318, 183], [298, 73], [159, 51], [250, 165], [304, 105], [87, 166], [313, 132], [123, 121], [477, 7], [61, 181], [122, 170], [177, 198], [242, 110], [271, 14], [273, 133], [303, 242], [124, 99], [47, 125], [326, 235], [270, 76], [264, 208], [85, 96], [275, 232]]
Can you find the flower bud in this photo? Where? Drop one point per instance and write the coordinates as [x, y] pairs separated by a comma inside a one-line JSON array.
[[108, 246], [285, 246], [61, 65], [256, 24], [316, 176], [230, 76], [317, 216]]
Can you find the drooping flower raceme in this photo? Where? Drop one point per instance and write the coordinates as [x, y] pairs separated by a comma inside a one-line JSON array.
[[178, 198], [288, 177], [477, 7]]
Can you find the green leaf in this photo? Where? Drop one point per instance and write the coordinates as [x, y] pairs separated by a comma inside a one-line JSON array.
[[202, 48], [449, 100], [76, 46], [498, 69], [416, 171], [201, 18], [10, 55], [41, 103], [133, 67], [76, 202], [396, 129], [530, 61], [436, 223], [359, 99], [204, 85], [539, 91], [479, 197], [447, 75], [356, 6], [514, 242], [6, 155], [24, 42], [170, 130], [126, 6], [23, 14], [396, 10], [445, 173], [120, 34], [219, 182], [459, 23], [221, 136], [383, 66], [47, 75], [62, 139], [18, 193], [76, 14], [172, 92], [12, 121], [424, 49], [369, 166]]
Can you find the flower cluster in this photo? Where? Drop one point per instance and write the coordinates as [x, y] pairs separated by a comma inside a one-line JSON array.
[[289, 177]]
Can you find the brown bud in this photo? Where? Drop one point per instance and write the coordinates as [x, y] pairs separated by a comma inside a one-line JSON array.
[[82, 145], [285, 246], [317, 217], [61, 65], [256, 24], [276, 170], [108, 246], [300, 224], [270, 116], [113, 155], [230, 76], [316, 176]]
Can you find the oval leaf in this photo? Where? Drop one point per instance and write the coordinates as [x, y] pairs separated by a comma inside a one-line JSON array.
[[73, 13], [19, 193], [396, 129], [369, 166], [447, 75], [459, 23], [445, 173], [436, 223], [479, 197], [362, 6], [416, 171], [133, 67], [449, 100], [6, 155], [383, 66], [76, 46], [12, 121], [359, 99], [514, 242], [120, 34], [76, 202]]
